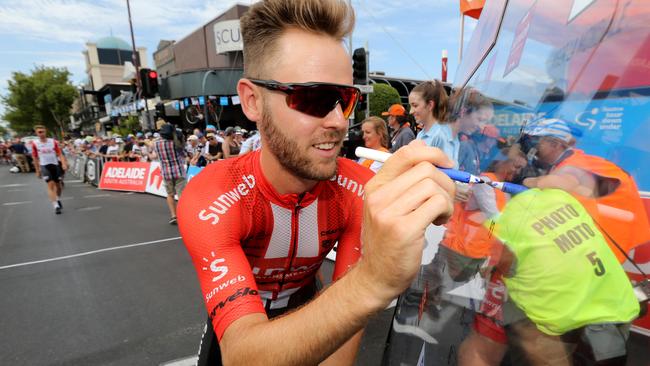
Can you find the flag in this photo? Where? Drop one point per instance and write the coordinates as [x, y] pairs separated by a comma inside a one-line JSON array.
[[471, 8]]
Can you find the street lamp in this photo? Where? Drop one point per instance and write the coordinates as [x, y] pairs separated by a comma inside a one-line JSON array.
[[205, 99]]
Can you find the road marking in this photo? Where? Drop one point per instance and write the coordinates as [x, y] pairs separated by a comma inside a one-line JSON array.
[[97, 195], [91, 208], [73, 181], [16, 190], [89, 253], [66, 198], [13, 185], [189, 361], [16, 203]]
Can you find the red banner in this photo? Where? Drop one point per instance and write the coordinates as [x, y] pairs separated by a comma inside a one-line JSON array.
[[122, 176], [471, 8]]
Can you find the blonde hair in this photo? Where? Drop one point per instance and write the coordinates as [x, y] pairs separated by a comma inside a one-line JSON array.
[[434, 90], [265, 22], [379, 125]]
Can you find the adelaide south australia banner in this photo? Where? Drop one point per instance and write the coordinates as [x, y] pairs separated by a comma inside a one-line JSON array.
[[125, 176]]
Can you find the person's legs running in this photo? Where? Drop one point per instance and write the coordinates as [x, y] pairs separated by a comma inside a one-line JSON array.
[[51, 177]]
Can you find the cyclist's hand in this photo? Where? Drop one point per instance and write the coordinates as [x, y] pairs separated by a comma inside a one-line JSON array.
[[405, 196]]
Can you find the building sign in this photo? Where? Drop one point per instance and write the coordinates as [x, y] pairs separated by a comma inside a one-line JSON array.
[[227, 36]]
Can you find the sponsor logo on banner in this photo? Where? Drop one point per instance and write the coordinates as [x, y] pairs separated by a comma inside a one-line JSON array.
[[125, 176], [155, 181], [519, 42]]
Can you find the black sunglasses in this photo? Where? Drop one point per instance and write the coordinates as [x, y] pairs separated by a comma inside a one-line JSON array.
[[314, 98]]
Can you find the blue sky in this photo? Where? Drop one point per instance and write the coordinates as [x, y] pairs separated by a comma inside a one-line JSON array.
[[405, 37]]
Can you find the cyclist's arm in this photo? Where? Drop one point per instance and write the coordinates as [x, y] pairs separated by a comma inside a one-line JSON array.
[[59, 153], [570, 179], [406, 196]]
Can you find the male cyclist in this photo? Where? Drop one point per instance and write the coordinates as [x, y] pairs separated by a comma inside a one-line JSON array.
[[259, 226], [47, 154]]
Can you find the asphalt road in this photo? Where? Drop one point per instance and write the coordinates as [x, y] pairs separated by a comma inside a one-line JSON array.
[[108, 282]]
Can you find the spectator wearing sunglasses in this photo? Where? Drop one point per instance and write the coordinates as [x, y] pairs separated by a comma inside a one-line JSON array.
[[230, 147], [258, 227], [213, 151]]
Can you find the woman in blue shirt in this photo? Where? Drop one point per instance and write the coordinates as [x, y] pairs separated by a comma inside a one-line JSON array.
[[428, 102]]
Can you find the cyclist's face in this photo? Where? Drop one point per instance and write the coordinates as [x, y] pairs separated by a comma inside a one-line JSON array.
[[305, 146]]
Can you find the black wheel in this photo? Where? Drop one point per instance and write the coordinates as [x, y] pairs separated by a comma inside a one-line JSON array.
[[193, 114]]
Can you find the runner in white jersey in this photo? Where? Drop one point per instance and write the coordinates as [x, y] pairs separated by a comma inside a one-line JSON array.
[[50, 165]]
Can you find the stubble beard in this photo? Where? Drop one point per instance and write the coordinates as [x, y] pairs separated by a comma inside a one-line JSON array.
[[289, 154]]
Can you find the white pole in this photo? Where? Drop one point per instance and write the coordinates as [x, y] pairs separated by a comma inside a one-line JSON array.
[[462, 32]]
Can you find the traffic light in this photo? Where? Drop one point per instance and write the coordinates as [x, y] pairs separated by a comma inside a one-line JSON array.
[[360, 66], [149, 80]]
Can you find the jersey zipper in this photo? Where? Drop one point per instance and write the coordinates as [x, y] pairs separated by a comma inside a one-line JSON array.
[[292, 246]]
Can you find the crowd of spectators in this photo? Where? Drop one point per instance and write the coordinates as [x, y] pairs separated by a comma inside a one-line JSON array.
[[202, 147]]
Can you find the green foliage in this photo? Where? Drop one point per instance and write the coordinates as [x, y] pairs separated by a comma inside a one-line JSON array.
[[43, 97], [383, 97], [130, 124]]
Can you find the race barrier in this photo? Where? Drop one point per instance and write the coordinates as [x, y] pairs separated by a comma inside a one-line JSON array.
[[125, 176]]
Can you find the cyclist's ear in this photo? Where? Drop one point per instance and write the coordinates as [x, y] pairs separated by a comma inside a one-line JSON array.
[[251, 100]]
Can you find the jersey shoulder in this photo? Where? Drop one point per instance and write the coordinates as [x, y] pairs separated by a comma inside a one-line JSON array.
[[353, 170], [218, 191]]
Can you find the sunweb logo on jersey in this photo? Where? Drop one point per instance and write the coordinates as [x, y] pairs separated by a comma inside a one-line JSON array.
[[220, 271]]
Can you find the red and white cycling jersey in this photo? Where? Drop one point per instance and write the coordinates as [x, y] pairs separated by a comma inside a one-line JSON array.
[[46, 152], [248, 243]]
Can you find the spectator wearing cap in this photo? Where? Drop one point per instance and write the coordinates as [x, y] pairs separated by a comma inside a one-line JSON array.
[[474, 154], [230, 147], [213, 151], [113, 149], [601, 186], [401, 128], [172, 166], [192, 150], [212, 129]]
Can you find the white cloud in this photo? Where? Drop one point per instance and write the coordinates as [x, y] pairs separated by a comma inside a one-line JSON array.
[[77, 21]]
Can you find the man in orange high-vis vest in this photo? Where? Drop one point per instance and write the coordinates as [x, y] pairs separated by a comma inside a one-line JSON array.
[[609, 194], [466, 232]]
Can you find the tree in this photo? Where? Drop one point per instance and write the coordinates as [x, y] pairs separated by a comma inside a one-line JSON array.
[[130, 124], [43, 97], [383, 97]]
